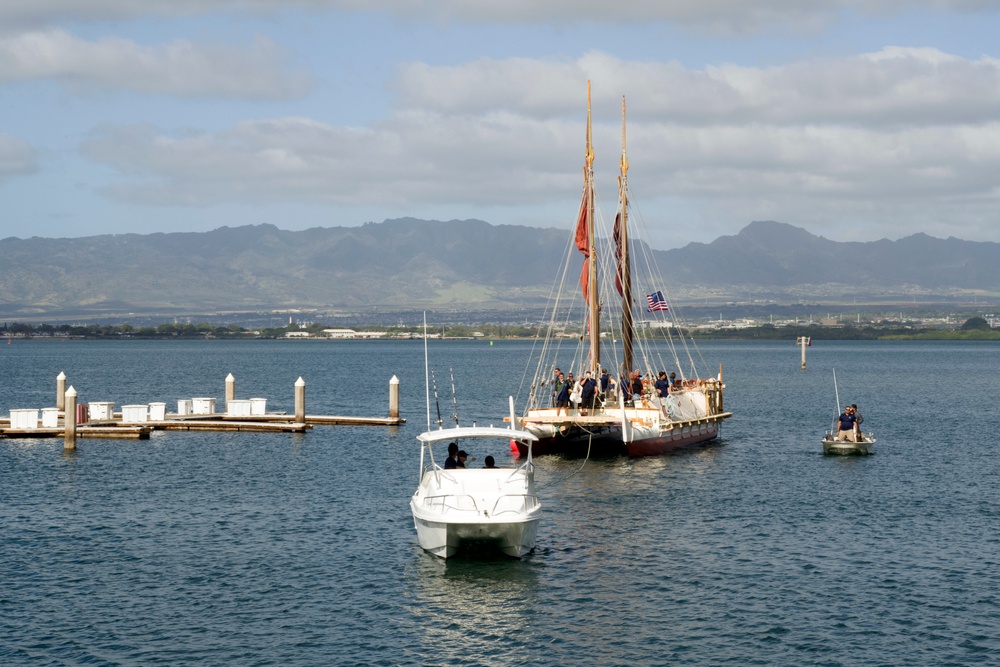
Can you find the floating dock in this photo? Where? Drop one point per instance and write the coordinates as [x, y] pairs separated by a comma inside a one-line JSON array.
[[98, 420]]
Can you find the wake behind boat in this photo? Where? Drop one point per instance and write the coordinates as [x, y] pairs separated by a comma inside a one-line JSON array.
[[457, 508], [631, 411]]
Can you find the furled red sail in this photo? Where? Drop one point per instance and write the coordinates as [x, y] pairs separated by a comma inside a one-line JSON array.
[[583, 244]]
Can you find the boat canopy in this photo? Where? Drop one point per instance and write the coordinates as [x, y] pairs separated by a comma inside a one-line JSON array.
[[429, 437]]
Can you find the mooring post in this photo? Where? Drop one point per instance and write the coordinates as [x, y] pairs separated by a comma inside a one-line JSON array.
[[804, 341], [61, 390], [69, 420], [394, 397], [300, 401], [230, 388]]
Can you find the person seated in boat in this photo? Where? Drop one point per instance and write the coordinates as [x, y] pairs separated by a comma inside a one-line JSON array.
[[490, 463], [562, 399], [848, 422], [674, 382], [452, 460], [588, 392], [463, 456]]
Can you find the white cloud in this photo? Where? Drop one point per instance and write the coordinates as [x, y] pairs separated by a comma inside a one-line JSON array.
[[891, 87], [17, 158], [897, 137], [181, 68], [730, 15]]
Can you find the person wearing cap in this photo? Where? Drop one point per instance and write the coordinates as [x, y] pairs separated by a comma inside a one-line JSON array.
[[462, 457]]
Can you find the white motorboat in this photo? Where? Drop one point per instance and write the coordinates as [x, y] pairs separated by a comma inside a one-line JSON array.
[[494, 508]]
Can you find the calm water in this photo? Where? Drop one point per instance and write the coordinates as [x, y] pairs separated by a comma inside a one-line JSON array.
[[260, 549]]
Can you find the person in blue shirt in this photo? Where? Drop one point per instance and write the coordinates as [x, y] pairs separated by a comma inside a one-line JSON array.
[[662, 391], [847, 425], [588, 391], [562, 398]]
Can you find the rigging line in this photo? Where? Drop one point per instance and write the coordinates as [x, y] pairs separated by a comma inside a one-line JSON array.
[[551, 313], [562, 479], [686, 343]]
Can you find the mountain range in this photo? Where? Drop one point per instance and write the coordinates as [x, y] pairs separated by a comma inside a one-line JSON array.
[[440, 264]]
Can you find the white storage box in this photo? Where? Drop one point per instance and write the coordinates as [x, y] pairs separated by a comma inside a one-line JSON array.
[[157, 412], [102, 410], [24, 418], [238, 408], [258, 406], [135, 413], [50, 417], [203, 406]]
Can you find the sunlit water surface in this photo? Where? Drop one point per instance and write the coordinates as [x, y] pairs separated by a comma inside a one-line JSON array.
[[277, 549]]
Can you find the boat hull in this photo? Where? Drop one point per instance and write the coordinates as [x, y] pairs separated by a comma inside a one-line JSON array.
[[447, 539], [610, 441], [848, 448]]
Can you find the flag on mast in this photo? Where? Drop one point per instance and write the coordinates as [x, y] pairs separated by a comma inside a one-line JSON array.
[[656, 302]]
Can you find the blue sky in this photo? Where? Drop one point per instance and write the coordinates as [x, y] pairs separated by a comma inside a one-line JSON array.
[[854, 120]]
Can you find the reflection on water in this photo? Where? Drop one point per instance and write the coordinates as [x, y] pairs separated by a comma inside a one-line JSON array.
[[472, 606]]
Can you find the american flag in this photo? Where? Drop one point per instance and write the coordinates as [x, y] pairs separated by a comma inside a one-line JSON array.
[[656, 302]]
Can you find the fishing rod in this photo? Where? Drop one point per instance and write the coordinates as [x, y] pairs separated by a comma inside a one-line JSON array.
[[437, 403], [454, 399]]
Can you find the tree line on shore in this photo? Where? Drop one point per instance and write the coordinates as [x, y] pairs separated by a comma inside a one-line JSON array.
[[975, 328]]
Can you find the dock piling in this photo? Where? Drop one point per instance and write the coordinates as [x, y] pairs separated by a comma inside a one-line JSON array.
[[394, 397], [69, 420], [230, 388], [300, 400], [61, 390]]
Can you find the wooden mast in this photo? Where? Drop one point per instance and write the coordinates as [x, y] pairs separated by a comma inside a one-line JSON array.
[[592, 290], [625, 264]]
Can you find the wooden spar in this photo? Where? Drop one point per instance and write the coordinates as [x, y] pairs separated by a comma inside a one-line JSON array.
[[625, 262], [721, 409], [592, 292]]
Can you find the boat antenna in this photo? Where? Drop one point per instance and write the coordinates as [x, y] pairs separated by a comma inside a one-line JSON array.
[[427, 381], [836, 393], [454, 399]]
